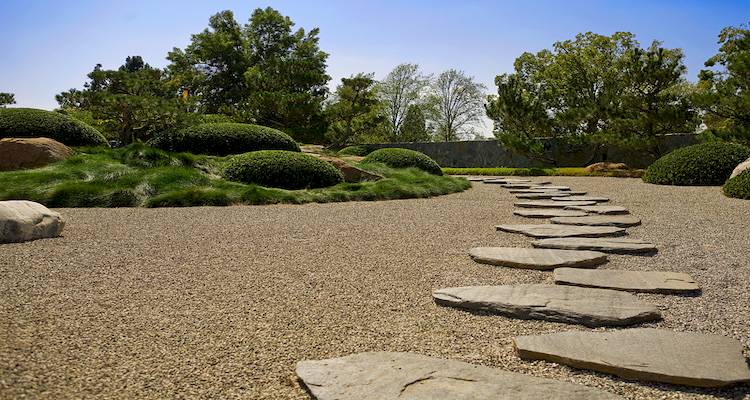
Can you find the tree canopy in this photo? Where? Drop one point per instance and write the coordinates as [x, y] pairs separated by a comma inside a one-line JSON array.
[[356, 114], [7, 98]]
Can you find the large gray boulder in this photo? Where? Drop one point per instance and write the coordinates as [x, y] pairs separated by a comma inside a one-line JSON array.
[[682, 358], [22, 220], [407, 376], [740, 168], [567, 304]]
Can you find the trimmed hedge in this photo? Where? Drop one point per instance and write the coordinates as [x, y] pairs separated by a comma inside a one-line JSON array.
[[354, 151], [31, 122], [404, 158], [739, 186], [283, 169], [705, 164], [224, 138]]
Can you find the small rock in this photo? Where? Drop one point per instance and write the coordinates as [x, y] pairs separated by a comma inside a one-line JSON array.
[[22, 220], [606, 166]]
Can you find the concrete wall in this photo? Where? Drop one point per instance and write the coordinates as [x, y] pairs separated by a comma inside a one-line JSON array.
[[489, 153]]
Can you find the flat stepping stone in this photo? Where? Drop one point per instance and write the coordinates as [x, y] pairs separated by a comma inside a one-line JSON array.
[[552, 204], [548, 213], [474, 179], [599, 220], [550, 187], [539, 259], [517, 185], [644, 354], [559, 231], [392, 376], [567, 304], [631, 281], [596, 209], [543, 195], [529, 191], [607, 245], [597, 199]]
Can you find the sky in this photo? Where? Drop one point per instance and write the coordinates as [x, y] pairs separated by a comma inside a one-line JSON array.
[[47, 46]]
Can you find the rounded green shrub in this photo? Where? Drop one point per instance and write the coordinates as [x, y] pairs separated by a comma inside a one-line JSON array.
[[354, 151], [404, 158], [30, 122], [706, 164], [283, 169], [223, 138], [739, 186]]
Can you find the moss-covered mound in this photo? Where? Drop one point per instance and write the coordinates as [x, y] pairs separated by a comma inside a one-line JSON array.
[[282, 169], [30, 122], [739, 186], [404, 158], [707, 164], [354, 151], [224, 138]]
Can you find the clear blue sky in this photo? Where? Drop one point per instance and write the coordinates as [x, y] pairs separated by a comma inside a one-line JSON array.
[[49, 46]]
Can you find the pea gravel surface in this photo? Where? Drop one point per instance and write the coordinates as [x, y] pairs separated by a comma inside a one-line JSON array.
[[222, 302]]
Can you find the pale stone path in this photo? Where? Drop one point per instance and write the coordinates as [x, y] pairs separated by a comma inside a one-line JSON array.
[[553, 204], [682, 358], [632, 281], [547, 213], [623, 221], [607, 245], [559, 231], [539, 259], [598, 209]]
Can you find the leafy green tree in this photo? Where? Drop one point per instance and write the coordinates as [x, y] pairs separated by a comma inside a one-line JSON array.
[[594, 89], [263, 72], [133, 102], [7, 98], [724, 91], [455, 105], [401, 89], [414, 127], [356, 112]]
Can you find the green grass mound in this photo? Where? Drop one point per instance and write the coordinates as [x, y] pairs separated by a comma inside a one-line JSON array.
[[360, 151], [282, 169], [706, 164], [30, 122], [224, 138], [403, 158], [739, 186]]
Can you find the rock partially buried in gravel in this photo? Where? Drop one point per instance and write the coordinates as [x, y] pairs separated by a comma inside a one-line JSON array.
[[682, 358], [607, 245], [545, 195], [22, 220], [540, 259], [559, 231], [604, 210], [623, 221], [740, 168], [597, 199], [631, 281], [391, 376], [548, 213], [550, 187], [567, 304], [552, 204]]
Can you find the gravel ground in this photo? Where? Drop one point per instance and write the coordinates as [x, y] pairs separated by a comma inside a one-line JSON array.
[[222, 302]]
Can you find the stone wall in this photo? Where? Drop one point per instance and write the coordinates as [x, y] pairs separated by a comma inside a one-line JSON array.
[[489, 153]]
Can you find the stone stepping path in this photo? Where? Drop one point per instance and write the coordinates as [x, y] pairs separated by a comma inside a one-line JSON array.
[[506, 180], [567, 304], [551, 187], [530, 191], [597, 199], [605, 210], [623, 221], [682, 358], [607, 245], [631, 281], [539, 259], [560, 231], [392, 376], [517, 185], [545, 195], [552, 204], [548, 213]]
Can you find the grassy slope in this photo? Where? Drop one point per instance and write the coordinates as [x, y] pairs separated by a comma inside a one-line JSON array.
[[141, 176], [572, 171]]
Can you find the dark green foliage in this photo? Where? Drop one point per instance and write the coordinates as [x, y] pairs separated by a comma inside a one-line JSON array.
[[357, 112], [7, 98], [30, 122], [707, 164], [414, 127], [355, 151], [283, 169], [403, 158], [191, 197], [739, 186], [224, 138]]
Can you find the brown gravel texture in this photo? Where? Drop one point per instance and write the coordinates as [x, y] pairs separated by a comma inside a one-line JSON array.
[[222, 302]]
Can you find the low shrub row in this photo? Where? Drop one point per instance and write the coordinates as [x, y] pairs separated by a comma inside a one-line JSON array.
[[224, 138], [283, 169]]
